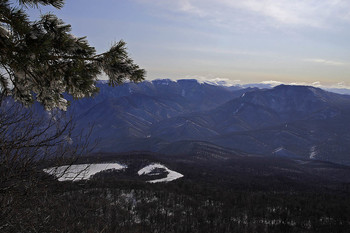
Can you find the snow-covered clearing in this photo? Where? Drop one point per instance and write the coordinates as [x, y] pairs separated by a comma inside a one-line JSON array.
[[172, 175], [81, 171]]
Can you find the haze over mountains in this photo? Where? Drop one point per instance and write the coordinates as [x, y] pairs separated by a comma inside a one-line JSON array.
[[188, 117]]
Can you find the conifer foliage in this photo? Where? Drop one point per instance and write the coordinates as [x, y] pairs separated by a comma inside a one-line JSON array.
[[40, 60]]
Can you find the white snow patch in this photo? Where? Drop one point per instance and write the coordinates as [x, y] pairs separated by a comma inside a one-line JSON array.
[[278, 149], [81, 171], [238, 109], [172, 175], [68, 139], [313, 152]]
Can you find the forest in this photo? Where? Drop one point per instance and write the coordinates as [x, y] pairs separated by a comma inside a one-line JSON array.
[[204, 200]]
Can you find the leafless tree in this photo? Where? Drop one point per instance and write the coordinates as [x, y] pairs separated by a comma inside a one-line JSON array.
[[30, 139]]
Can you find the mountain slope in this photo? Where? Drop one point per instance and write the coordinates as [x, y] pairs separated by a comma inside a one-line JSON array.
[[164, 116], [123, 117], [306, 121]]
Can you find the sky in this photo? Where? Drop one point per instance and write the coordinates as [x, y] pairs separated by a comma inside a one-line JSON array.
[[237, 41]]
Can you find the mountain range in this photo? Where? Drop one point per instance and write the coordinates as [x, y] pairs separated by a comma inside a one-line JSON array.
[[188, 117]]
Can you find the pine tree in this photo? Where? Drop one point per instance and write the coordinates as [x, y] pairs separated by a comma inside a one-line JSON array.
[[40, 60]]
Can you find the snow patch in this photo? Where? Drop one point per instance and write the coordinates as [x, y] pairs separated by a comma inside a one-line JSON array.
[[172, 175], [238, 109], [81, 171], [279, 149], [313, 152]]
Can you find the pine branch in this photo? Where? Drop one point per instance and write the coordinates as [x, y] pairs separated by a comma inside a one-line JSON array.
[[44, 60], [35, 3]]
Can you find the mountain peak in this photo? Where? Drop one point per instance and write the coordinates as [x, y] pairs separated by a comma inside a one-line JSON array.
[[300, 87], [296, 90]]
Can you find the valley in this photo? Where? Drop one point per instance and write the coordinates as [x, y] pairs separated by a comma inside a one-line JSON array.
[[225, 193]]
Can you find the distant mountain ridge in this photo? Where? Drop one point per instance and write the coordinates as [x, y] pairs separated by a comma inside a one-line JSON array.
[[174, 117]]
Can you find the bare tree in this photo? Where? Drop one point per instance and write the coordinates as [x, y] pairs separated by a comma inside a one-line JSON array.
[[41, 61], [29, 139]]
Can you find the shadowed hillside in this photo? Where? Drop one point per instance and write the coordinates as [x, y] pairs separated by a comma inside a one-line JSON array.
[[304, 121]]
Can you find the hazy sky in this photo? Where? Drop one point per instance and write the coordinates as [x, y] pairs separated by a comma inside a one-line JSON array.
[[242, 41]]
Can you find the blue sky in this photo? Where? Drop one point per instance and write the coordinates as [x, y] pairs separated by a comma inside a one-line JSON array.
[[240, 41]]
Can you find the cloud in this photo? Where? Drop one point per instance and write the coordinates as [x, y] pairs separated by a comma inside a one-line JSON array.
[[340, 85], [316, 84], [222, 81], [214, 80], [297, 12], [186, 6], [211, 79], [275, 13], [272, 82], [220, 51], [324, 62]]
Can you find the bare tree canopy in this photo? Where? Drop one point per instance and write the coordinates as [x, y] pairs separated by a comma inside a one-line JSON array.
[[40, 60]]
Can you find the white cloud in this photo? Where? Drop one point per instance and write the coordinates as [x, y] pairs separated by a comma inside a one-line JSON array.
[[212, 79], [223, 81], [210, 50], [324, 62], [272, 82], [276, 13], [186, 6], [294, 12], [340, 85], [316, 84]]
